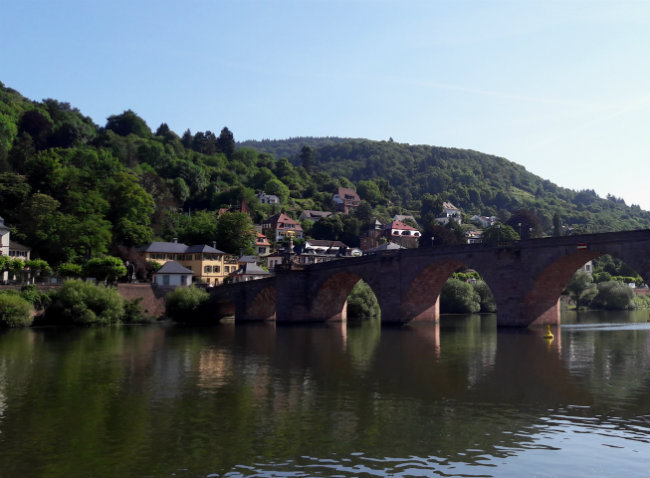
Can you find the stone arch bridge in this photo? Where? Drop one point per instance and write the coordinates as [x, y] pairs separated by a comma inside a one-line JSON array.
[[526, 279]]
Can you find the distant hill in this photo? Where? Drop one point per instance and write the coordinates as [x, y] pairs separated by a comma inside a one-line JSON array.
[[290, 148], [478, 183]]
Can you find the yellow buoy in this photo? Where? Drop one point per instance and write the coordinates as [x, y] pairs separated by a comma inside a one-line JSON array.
[[549, 335]]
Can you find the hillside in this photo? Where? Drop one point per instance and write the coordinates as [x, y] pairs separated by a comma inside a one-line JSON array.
[[72, 190], [478, 183]]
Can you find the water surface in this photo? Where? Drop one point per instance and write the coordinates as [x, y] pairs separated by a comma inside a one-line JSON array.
[[458, 399]]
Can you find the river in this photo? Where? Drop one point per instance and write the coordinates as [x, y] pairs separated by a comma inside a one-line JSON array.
[[458, 399]]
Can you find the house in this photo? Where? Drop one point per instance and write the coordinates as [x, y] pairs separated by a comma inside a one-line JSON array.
[[346, 198], [321, 246], [310, 215], [268, 198], [248, 271], [262, 245], [404, 217], [474, 237], [173, 274], [449, 213], [283, 227], [11, 249], [483, 221], [587, 268], [401, 233], [210, 266]]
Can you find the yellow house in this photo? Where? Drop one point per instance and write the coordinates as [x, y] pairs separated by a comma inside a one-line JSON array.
[[209, 265]]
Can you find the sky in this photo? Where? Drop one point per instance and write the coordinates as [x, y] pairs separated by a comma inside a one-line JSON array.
[[561, 87]]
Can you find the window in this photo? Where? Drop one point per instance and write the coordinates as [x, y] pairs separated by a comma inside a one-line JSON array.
[[217, 269], [165, 280], [207, 269], [183, 280]]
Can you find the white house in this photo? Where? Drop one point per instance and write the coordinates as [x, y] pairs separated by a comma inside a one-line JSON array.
[[449, 213], [11, 249], [268, 198], [173, 274]]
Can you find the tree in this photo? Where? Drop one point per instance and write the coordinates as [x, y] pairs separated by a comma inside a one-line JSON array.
[[107, 268], [362, 303], [37, 125], [459, 297], [83, 303], [69, 270], [235, 233], [499, 234], [14, 311], [307, 158], [613, 295], [578, 285], [226, 143], [526, 223], [187, 304], [369, 191], [278, 188], [128, 123]]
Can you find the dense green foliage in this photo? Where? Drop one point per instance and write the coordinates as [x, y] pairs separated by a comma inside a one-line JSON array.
[[84, 303], [187, 305], [362, 303], [15, 311], [75, 191]]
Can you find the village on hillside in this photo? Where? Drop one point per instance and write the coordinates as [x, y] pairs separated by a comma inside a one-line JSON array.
[[279, 242]]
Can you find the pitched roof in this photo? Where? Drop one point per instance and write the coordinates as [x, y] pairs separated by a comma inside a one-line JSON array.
[[348, 193], [324, 243], [250, 269], [16, 246], [248, 259], [173, 267], [399, 225], [387, 246], [170, 247], [203, 248], [279, 220], [448, 205], [319, 214], [177, 248]]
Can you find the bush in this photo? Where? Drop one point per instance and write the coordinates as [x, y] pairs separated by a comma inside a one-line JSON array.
[[39, 299], [134, 312], [362, 303], [459, 297], [486, 300], [613, 295], [84, 303], [186, 304], [15, 311]]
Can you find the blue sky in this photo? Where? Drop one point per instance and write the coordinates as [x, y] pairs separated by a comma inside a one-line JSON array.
[[561, 87]]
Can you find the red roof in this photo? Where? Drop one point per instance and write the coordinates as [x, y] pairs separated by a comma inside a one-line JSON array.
[[279, 221], [399, 225]]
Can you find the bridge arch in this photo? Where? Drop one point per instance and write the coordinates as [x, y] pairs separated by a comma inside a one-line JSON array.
[[331, 296], [262, 307], [422, 299]]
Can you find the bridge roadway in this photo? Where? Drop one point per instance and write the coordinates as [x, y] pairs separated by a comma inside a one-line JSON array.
[[526, 279]]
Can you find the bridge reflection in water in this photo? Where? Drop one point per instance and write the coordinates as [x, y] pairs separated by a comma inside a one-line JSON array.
[[454, 397], [526, 279]]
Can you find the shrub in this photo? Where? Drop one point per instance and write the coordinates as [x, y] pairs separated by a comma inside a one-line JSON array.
[[613, 295], [186, 304], [39, 299], [362, 303], [68, 269], [459, 297], [84, 303], [14, 311], [486, 300]]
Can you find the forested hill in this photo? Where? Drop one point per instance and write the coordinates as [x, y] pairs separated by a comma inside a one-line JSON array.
[[478, 183], [73, 190]]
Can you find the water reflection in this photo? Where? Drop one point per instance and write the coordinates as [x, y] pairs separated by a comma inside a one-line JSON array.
[[455, 398]]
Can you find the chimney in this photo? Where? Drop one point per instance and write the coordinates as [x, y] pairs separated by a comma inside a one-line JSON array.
[[214, 244], [175, 240]]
